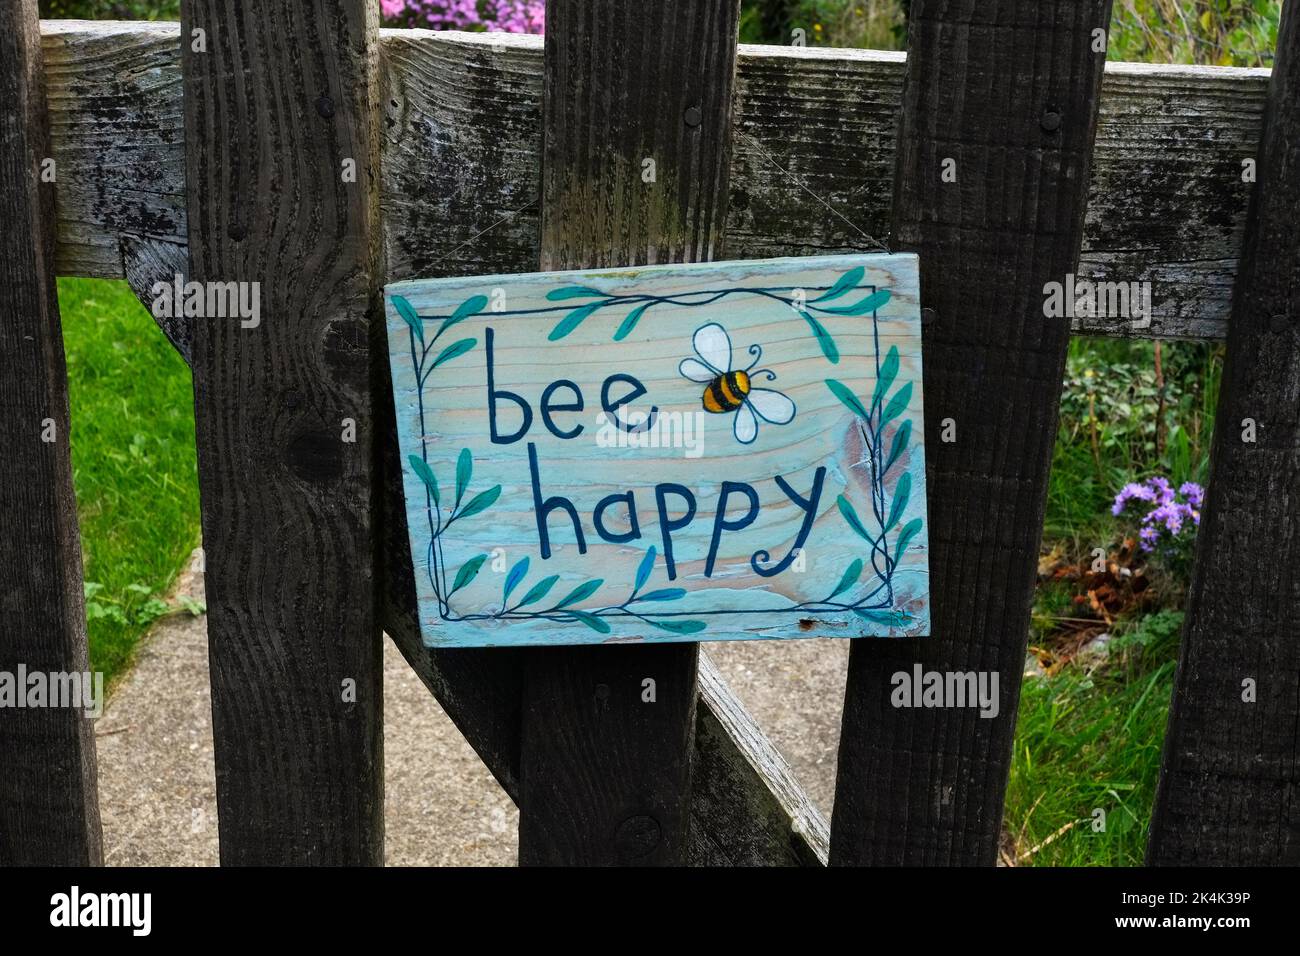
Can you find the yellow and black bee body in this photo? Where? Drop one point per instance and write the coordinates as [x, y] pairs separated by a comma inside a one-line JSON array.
[[726, 392]]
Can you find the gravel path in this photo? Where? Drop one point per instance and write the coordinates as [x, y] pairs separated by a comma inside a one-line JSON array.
[[157, 789]]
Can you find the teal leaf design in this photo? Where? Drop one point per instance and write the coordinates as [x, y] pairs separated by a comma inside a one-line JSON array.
[[468, 572], [464, 470], [452, 351], [843, 285], [572, 292], [539, 590], [901, 438], [667, 594], [572, 321], [517, 574], [580, 593], [902, 491], [905, 537], [471, 306], [884, 618], [407, 312], [842, 392], [851, 516], [851, 575], [888, 372], [643, 572], [823, 338], [481, 502], [897, 405], [680, 627], [421, 468], [593, 622], [877, 300], [630, 322]]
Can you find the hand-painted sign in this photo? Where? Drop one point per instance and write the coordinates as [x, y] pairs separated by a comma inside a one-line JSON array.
[[697, 452]]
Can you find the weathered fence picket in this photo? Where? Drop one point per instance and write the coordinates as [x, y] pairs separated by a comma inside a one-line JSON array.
[[283, 416], [49, 808], [1008, 93], [1231, 768], [606, 767]]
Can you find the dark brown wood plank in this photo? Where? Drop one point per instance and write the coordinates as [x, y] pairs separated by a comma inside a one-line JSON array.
[[605, 773], [49, 807], [282, 96], [1229, 790], [1009, 89]]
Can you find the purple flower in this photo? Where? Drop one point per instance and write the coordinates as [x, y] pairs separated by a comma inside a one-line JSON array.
[[1128, 493], [510, 16], [1163, 525], [1194, 494]]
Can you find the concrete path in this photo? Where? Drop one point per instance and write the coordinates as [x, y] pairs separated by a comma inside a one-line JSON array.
[[157, 790]]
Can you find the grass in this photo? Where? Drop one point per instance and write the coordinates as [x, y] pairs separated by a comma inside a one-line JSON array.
[[133, 463]]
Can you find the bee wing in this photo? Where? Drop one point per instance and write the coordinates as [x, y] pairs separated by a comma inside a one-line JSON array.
[[713, 346], [696, 371], [746, 426], [771, 406]]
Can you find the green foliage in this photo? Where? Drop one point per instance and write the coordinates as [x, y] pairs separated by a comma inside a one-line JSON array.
[[110, 9], [1090, 739], [133, 463]]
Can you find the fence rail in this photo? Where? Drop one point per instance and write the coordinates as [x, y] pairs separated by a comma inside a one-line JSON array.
[[1134, 174], [812, 165]]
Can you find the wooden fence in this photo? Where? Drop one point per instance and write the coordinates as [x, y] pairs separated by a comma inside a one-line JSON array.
[[213, 149]]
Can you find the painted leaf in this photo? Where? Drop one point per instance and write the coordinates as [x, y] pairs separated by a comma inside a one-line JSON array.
[[471, 306], [843, 285], [897, 405], [888, 372], [593, 622], [517, 574], [630, 322], [851, 575], [905, 537], [452, 351], [581, 593], [899, 445], [572, 292], [886, 618], [680, 627], [407, 312], [572, 321], [481, 502], [464, 470], [421, 468], [824, 339], [877, 300], [902, 491], [539, 590], [667, 594], [851, 516], [468, 572], [647, 566], [842, 392]]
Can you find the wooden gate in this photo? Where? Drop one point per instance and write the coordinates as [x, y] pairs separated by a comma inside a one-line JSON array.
[[219, 149]]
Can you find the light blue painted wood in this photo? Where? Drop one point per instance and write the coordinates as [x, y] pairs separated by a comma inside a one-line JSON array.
[[790, 386]]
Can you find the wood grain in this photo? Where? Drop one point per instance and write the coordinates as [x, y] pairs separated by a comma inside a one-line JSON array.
[[1228, 786], [281, 97], [811, 167], [49, 809], [605, 774], [925, 786]]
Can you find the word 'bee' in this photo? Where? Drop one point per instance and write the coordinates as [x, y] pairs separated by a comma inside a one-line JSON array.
[[729, 390]]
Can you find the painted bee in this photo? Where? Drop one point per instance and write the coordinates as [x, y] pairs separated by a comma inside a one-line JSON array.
[[728, 390]]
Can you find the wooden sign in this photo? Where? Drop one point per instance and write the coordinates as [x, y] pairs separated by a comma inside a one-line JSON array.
[[693, 452]]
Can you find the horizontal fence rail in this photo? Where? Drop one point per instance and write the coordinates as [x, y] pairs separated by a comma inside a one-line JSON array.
[[811, 168]]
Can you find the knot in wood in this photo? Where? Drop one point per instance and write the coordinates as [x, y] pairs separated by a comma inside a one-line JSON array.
[[637, 836], [315, 455], [693, 116], [1051, 121], [325, 107]]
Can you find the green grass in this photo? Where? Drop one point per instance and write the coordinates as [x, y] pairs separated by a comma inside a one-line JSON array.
[[133, 462]]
